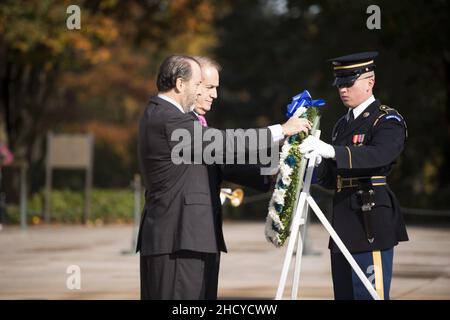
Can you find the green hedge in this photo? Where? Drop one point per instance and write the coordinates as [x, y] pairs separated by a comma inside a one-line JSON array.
[[107, 206]]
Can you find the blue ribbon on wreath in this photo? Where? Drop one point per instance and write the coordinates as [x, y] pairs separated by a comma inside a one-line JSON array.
[[303, 99]]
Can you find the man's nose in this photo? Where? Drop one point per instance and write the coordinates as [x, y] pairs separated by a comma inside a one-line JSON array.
[[214, 94], [342, 89]]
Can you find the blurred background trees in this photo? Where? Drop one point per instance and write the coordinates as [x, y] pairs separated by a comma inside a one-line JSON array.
[[271, 52], [98, 79], [95, 79]]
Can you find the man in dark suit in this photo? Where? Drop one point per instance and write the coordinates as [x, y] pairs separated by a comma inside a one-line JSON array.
[[366, 143], [248, 175], [180, 236]]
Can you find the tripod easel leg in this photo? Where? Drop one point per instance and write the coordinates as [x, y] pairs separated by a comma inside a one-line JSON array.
[[342, 247], [299, 253], [298, 263], [290, 249]]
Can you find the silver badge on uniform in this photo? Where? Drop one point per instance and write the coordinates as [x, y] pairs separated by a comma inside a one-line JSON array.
[[366, 114]]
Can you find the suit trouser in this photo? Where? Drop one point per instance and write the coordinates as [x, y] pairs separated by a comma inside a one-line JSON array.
[[376, 265], [182, 275]]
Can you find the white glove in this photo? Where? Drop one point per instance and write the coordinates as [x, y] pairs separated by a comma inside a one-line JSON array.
[[318, 147], [318, 159]]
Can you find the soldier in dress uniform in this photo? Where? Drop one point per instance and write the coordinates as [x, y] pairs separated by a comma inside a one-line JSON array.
[[366, 143]]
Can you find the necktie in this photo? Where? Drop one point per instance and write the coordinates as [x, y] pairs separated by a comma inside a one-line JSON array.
[[350, 117], [202, 120]]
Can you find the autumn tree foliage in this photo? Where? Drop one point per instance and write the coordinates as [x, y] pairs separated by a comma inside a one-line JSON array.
[[95, 79]]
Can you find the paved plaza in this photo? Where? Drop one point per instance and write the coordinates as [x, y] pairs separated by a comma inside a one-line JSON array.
[[33, 263]]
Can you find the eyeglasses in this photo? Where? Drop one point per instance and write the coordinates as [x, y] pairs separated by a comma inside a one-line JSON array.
[[347, 85]]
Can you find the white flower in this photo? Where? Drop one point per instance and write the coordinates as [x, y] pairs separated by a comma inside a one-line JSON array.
[[286, 147], [273, 215], [285, 169], [286, 180], [271, 208], [271, 234], [284, 151], [273, 226], [278, 196], [275, 219], [289, 170]]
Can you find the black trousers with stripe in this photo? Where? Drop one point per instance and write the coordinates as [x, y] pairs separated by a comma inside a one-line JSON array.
[[182, 275], [376, 265]]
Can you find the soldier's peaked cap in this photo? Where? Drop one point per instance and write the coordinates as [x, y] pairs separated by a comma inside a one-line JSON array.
[[348, 68]]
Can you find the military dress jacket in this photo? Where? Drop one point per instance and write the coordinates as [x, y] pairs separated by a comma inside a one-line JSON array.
[[369, 146]]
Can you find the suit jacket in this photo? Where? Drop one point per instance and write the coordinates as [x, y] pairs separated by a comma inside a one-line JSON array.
[[181, 210], [248, 175], [245, 175], [384, 131]]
